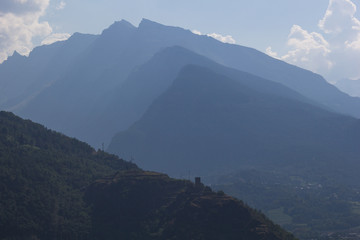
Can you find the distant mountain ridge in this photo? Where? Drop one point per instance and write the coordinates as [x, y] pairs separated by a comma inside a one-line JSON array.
[[207, 122], [150, 80], [77, 77]]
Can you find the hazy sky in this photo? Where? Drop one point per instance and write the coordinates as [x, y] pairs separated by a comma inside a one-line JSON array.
[[320, 35]]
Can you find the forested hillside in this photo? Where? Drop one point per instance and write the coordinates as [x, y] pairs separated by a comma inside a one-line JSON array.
[[43, 175], [56, 187]]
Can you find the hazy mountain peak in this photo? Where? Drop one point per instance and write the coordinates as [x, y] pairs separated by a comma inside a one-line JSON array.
[[124, 23], [148, 23], [119, 26], [78, 35]]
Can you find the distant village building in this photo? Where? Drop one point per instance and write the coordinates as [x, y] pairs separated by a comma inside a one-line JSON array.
[[198, 182]]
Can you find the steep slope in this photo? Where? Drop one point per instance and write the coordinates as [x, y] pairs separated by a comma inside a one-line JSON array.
[[207, 122], [148, 205], [43, 176], [81, 91], [49, 191], [129, 101]]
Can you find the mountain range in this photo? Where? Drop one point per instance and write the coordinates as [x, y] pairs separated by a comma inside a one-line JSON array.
[[82, 76], [211, 121], [186, 104]]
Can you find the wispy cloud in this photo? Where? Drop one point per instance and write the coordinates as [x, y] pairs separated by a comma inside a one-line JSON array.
[[196, 32], [271, 53], [219, 37], [55, 38], [334, 51], [61, 5]]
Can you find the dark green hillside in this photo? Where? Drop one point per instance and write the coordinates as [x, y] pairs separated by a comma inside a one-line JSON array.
[[43, 175], [148, 205], [54, 187]]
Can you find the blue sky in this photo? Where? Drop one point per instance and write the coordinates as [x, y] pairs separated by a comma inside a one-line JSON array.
[[256, 23], [286, 29]]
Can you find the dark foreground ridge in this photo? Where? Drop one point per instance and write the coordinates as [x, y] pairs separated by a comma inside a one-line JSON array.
[[49, 190], [150, 205], [43, 177]]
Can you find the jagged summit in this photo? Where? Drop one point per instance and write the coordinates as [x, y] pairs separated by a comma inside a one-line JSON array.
[[121, 25], [15, 57], [78, 35], [16, 54], [124, 23], [148, 23]]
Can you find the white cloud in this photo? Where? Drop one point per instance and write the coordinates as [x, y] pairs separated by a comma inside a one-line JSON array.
[[307, 49], [219, 37], [19, 24], [196, 32], [55, 37], [355, 45], [224, 39], [271, 53], [61, 5], [339, 17], [334, 51]]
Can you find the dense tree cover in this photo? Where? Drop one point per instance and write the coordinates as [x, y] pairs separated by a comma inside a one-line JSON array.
[[43, 175], [54, 187]]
